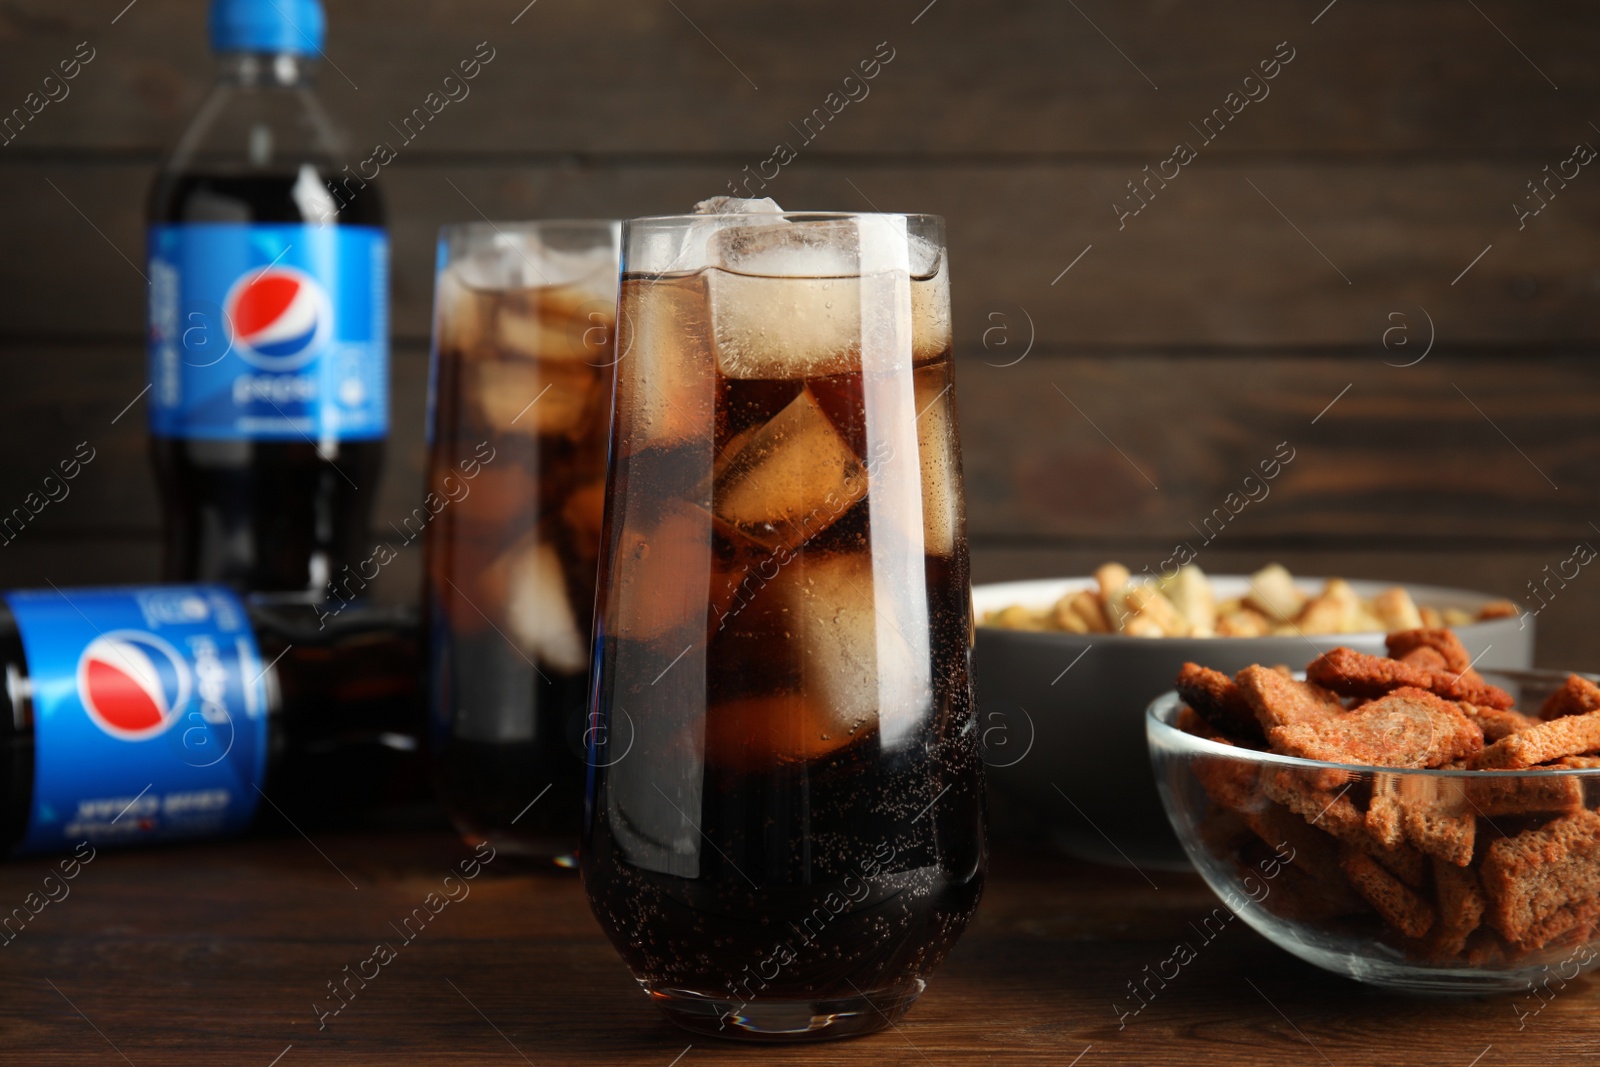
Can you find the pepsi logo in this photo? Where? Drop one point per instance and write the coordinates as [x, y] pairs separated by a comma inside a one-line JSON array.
[[279, 316], [133, 684]]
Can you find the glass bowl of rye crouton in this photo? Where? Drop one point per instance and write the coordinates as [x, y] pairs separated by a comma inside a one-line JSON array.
[[1399, 818], [1061, 705]]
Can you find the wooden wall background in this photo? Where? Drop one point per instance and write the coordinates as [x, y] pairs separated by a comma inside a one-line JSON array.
[[1104, 408]]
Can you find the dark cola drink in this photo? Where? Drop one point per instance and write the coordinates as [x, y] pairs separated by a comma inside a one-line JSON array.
[[268, 331], [521, 403], [786, 830]]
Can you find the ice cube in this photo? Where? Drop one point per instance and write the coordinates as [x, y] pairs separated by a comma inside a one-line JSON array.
[[457, 562], [825, 633], [583, 514], [464, 318], [883, 245], [483, 505], [786, 328], [830, 246], [678, 245], [824, 248], [930, 315], [926, 258], [666, 391], [861, 624], [940, 455], [758, 733], [662, 576], [539, 617], [521, 331], [557, 323], [808, 298], [590, 270], [512, 260], [533, 398], [733, 205], [793, 478]]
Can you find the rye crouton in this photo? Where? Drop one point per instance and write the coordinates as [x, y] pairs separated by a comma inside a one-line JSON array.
[[1542, 883]]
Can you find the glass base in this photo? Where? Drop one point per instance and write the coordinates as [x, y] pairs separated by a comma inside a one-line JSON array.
[[1372, 968], [773, 1020], [525, 853]]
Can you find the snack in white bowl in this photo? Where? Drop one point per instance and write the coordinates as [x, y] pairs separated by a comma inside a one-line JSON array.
[[1186, 604]]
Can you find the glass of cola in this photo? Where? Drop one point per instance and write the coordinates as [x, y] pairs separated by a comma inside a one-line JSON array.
[[519, 405], [784, 832]]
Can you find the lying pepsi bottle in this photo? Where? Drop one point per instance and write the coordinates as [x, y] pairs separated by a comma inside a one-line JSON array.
[[147, 714], [268, 320]]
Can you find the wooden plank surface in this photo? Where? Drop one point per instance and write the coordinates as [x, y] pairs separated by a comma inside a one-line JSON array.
[[1116, 450], [1136, 447], [1402, 478], [216, 953], [1210, 263], [721, 77], [1565, 622]]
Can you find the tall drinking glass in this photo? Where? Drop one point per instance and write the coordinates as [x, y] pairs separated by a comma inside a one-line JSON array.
[[519, 407], [784, 832]]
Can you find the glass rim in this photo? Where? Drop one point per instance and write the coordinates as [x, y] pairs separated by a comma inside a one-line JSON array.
[[524, 225], [1228, 642], [797, 216], [1165, 707]]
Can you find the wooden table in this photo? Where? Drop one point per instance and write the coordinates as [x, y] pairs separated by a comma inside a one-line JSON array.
[[214, 954]]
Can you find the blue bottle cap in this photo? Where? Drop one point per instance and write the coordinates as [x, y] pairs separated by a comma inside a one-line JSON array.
[[294, 26]]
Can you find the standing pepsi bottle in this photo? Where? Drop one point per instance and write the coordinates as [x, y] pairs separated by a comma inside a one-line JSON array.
[[268, 321]]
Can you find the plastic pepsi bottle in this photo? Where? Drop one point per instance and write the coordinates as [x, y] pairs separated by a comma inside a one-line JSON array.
[[268, 331], [146, 714]]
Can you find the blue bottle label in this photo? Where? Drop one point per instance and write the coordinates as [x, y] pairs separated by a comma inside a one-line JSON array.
[[149, 714], [269, 332]]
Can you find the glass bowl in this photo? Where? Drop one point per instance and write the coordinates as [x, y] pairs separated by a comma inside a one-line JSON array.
[[1506, 895], [1062, 714]]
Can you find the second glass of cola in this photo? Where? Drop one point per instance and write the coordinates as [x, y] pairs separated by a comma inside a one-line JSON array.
[[520, 402]]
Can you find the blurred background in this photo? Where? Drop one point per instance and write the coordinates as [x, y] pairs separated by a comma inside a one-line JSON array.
[[1381, 255]]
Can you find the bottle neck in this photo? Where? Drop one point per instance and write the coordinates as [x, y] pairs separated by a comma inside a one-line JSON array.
[[264, 70]]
